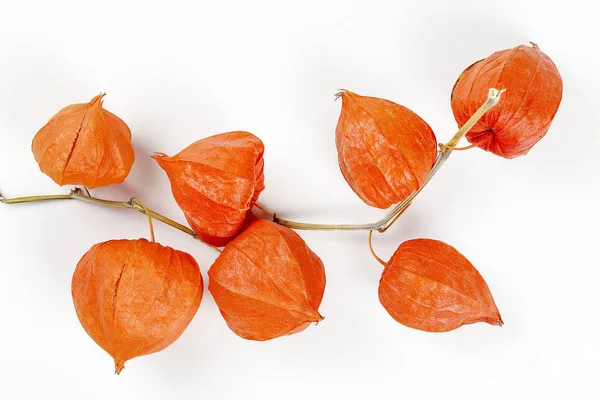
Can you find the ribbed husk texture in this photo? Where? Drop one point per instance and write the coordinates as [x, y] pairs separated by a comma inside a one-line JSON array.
[[84, 145], [428, 285], [267, 282], [533, 93], [216, 181], [385, 151], [135, 297]]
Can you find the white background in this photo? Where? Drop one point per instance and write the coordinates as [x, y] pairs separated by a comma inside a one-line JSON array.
[[179, 72]]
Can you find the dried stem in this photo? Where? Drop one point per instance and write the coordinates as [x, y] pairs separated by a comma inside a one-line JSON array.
[[135, 200], [266, 210], [383, 224], [134, 204], [459, 148], [373, 251]]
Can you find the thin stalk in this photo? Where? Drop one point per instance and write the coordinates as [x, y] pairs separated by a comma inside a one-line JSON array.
[[384, 224], [266, 210], [34, 199], [134, 204], [379, 260], [135, 200], [461, 148]]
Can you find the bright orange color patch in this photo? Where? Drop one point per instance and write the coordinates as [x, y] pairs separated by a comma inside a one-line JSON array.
[[429, 285], [385, 150], [215, 181], [533, 93], [135, 297], [267, 282], [84, 145]]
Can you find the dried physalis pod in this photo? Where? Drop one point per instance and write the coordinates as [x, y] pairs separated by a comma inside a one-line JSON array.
[[429, 285], [216, 181], [84, 145], [385, 150], [267, 282], [135, 297], [533, 93]]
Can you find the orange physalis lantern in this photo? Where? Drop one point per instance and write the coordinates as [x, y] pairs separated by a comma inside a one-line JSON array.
[[267, 282], [84, 145], [430, 286], [385, 150], [533, 93], [135, 297], [215, 181]]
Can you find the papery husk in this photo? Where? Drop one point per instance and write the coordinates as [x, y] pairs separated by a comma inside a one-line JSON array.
[[385, 151], [135, 297], [267, 282], [84, 144], [428, 285], [533, 94], [215, 182]]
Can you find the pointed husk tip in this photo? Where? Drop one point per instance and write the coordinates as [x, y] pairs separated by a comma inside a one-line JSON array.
[[342, 92], [97, 99], [119, 366], [159, 157], [321, 318], [312, 315], [316, 317], [494, 321]]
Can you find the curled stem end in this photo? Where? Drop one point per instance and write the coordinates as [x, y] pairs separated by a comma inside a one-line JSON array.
[[494, 96], [373, 251]]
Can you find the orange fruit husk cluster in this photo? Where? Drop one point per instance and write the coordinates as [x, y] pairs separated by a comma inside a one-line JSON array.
[[428, 285], [385, 151], [84, 145], [135, 297], [267, 282], [533, 93], [215, 182]]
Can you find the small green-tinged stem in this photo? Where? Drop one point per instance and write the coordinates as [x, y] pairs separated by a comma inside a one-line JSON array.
[[443, 154]]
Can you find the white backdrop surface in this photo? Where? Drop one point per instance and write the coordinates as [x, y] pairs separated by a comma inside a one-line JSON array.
[[180, 71]]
